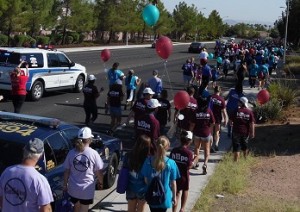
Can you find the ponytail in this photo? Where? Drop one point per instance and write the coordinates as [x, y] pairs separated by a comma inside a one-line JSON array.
[[162, 145], [80, 144]]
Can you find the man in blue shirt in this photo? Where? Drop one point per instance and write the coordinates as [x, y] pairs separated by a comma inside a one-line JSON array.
[[114, 74], [155, 83]]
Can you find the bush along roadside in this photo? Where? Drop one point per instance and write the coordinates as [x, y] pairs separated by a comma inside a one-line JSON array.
[[283, 93]]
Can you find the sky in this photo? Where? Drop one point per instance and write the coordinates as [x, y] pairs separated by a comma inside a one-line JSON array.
[[258, 11]]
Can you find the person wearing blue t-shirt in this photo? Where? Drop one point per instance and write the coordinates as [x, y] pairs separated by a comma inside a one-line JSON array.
[[114, 74], [263, 74], [131, 82], [160, 164], [253, 71]]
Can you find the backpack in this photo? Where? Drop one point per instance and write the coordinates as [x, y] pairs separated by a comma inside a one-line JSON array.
[[226, 65], [155, 194]]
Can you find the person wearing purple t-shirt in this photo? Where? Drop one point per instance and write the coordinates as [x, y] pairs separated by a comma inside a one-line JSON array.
[[139, 107], [201, 125], [187, 112], [183, 158], [243, 128], [81, 165], [148, 124], [217, 104], [232, 103], [22, 187], [163, 114]]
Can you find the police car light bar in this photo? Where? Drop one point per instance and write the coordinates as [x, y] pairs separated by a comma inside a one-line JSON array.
[[51, 122]]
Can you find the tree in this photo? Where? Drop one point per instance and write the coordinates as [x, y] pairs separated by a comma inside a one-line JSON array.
[[185, 19], [215, 25], [36, 15]]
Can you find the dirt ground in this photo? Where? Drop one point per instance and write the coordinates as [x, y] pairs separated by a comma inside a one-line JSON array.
[[275, 177]]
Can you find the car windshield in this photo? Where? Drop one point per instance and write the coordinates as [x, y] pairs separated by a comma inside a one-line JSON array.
[[10, 153], [195, 44]]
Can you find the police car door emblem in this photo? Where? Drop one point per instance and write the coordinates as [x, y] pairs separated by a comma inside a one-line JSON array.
[[15, 191], [81, 163]]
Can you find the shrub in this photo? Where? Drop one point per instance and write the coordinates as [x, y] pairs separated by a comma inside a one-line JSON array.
[[20, 40], [3, 40], [69, 39], [75, 36], [285, 90], [81, 38], [269, 111], [42, 40]]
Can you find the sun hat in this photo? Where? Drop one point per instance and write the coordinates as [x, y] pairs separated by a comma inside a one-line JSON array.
[[244, 101], [91, 77], [35, 146], [85, 133], [153, 103], [148, 91]]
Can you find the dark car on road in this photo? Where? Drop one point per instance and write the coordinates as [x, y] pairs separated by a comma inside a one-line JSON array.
[[196, 47], [17, 129]]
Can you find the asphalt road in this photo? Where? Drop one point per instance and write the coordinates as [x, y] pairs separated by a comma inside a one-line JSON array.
[[67, 106]]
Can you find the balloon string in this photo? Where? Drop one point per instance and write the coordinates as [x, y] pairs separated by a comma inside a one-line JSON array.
[[104, 66], [168, 76]]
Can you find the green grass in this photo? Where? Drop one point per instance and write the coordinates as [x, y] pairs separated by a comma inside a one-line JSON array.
[[231, 180], [229, 177], [292, 65], [269, 205]]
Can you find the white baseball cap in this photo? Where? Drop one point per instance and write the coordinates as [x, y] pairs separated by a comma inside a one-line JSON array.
[[91, 77], [85, 133], [148, 91], [189, 135], [153, 103], [244, 101]]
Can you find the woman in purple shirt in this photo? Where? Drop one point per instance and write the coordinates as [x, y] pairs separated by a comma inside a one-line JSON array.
[[201, 125]]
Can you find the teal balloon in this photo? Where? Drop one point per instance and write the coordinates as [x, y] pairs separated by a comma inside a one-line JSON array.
[[210, 56], [219, 60], [150, 14]]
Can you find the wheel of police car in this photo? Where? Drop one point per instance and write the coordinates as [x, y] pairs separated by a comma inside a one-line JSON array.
[[110, 177], [79, 84], [37, 91]]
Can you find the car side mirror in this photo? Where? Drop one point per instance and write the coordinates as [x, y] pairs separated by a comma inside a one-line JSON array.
[[97, 143], [72, 64]]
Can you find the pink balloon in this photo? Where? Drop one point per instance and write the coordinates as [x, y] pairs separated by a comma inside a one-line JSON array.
[[164, 47], [105, 55], [263, 96], [181, 100]]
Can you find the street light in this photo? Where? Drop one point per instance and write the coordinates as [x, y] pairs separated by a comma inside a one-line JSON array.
[[286, 29]]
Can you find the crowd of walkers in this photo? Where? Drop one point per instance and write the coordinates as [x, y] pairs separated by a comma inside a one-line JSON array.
[[198, 124]]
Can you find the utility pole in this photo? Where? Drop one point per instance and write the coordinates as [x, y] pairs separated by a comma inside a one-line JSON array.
[[286, 30]]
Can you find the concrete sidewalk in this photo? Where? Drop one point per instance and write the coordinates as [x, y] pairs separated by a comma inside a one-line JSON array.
[[117, 202]]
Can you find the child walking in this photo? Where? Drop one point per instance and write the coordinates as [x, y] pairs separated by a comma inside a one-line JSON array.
[[184, 160]]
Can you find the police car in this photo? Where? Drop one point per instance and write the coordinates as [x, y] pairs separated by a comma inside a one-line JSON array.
[[48, 70], [17, 129]]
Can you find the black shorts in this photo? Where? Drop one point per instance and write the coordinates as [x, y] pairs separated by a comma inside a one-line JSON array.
[[82, 201], [239, 142]]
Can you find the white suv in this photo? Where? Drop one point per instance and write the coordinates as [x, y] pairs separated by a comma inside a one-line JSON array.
[[48, 70]]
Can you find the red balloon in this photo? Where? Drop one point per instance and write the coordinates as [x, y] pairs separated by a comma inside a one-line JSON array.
[[181, 100], [164, 47], [105, 55], [263, 97]]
